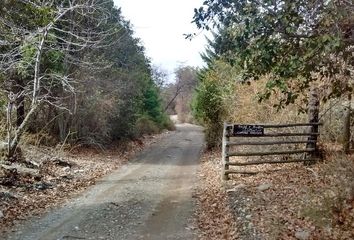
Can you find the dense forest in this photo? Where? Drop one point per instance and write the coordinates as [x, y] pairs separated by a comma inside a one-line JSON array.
[[72, 71]]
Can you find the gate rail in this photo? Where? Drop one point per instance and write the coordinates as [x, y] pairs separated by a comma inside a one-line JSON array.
[[257, 131]]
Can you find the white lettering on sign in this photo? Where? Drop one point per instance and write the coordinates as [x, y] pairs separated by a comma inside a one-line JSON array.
[[251, 130]]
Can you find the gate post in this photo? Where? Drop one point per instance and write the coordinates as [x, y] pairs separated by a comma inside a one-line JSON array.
[[225, 151]]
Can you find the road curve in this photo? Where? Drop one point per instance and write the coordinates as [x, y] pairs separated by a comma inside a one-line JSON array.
[[149, 198]]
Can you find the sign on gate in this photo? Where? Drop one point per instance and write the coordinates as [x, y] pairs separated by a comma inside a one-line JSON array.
[[251, 130]]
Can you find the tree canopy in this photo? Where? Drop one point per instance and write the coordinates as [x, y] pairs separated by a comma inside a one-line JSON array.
[[293, 42]]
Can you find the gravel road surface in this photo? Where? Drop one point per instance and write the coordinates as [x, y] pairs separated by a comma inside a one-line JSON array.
[[149, 198]]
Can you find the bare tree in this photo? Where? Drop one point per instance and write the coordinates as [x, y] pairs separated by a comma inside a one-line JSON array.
[[66, 32], [186, 81], [178, 87], [159, 76]]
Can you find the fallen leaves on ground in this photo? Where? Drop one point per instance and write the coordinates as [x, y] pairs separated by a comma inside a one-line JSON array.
[[61, 175], [282, 201], [214, 218]]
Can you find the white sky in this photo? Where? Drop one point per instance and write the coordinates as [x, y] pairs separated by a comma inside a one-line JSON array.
[[160, 24]]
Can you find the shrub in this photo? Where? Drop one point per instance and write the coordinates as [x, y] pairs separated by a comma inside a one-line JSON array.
[[209, 110], [168, 124], [145, 125]]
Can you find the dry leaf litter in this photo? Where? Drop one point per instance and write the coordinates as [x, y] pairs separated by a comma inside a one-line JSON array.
[[281, 201], [51, 178]]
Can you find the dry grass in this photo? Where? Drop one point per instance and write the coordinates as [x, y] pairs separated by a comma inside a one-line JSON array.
[[245, 107]]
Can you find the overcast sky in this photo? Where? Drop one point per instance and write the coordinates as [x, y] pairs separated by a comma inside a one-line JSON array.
[[160, 24]]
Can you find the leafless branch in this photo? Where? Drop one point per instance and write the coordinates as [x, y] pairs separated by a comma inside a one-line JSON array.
[[63, 35]]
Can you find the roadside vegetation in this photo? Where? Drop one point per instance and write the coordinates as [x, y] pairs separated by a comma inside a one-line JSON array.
[[264, 60], [73, 72]]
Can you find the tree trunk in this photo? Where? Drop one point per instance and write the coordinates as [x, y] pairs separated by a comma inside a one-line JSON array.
[[62, 126], [20, 100], [15, 139], [313, 112], [346, 127], [20, 110]]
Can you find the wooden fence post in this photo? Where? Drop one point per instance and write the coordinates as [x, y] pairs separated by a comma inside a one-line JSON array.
[[313, 112], [225, 151]]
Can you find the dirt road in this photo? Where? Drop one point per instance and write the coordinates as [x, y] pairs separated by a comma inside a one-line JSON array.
[[149, 198]]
